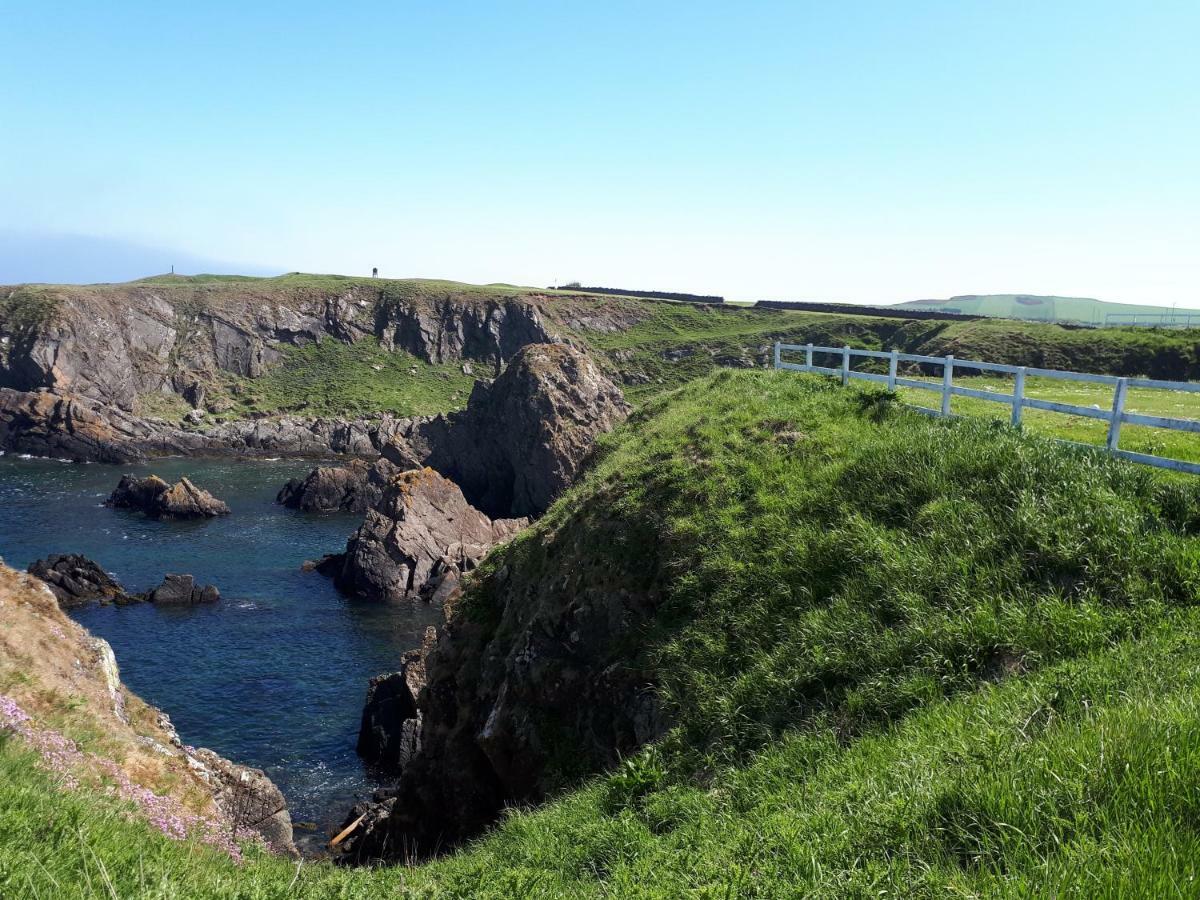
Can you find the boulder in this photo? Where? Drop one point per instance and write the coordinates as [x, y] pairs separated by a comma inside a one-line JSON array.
[[354, 487], [159, 500], [77, 581], [421, 528], [182, 590], [525, 437]]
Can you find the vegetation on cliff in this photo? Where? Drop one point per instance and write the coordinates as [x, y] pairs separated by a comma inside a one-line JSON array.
[[900, 656]]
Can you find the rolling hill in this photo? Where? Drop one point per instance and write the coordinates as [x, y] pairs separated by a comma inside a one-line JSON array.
[[1049, 308]]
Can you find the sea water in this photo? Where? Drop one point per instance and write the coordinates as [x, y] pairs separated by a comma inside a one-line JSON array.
[[274, 675]]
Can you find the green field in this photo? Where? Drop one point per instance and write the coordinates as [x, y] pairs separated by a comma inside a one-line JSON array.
[[905, 657], [1049, 308], [1141, 439]]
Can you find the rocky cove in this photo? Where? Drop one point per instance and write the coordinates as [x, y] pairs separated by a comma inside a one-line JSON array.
[[274, 675]]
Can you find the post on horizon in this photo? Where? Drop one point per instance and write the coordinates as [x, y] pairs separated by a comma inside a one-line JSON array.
[[375, 272]]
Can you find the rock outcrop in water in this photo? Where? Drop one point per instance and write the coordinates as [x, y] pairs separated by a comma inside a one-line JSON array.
[[390, 734], [77, 581], [354, 487], [182, 590], [421, 534], [159, 500]]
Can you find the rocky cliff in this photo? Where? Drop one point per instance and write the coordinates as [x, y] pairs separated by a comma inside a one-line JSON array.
[[522, 439], [83, 368], [420, 537], [60, 682], [114, 343], [535, 676], [519, 443]]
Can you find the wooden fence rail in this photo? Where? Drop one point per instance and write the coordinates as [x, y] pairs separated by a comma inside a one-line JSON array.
[[1116, 416]]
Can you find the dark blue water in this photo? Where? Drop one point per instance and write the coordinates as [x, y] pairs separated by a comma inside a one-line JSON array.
[[274, 675]]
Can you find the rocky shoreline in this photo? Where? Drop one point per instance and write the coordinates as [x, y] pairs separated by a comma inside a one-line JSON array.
[[186, 792], [437, 494]]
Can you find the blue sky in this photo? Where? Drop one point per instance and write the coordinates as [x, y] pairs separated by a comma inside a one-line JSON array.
[[862, 151]]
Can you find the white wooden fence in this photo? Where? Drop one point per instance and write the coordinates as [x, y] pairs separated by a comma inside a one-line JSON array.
[[1116, 416]]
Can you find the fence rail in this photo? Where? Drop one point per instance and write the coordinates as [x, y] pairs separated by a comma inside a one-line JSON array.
[[1116, 416]]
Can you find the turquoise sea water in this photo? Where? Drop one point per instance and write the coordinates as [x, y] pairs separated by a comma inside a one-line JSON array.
[[274, 675]]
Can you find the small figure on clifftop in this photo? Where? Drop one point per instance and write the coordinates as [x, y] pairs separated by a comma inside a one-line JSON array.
[[375, 273]]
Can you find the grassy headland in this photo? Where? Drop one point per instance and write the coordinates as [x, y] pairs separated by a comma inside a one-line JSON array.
[[904, 657]]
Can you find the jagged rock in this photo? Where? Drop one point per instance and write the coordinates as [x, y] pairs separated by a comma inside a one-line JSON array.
[[159, 500], [354, 487], [523, 438], [391, 722], [449, 328], [367, 822], [182, 590], [77, 581], [249, 798], [421, 527]]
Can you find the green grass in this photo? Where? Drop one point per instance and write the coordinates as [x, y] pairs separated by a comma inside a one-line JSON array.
[[1041, 308], [26, 309], [1085, 430], [905, 657], [334, 378], [828, 548], [1172, 354], [675, 343]]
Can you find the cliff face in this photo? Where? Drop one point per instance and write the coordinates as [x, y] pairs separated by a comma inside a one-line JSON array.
[[81, 366], [113, 343], [59, 682], [523, 438], [535, 676]]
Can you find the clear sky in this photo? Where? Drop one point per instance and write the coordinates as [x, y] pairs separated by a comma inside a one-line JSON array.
[[862, 151]]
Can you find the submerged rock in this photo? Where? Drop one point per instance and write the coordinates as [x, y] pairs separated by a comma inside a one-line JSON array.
[[182, 590], [159, 500], [77, 581], [421, 529]]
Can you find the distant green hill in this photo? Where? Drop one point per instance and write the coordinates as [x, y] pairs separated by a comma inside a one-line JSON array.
[[1058, 309]]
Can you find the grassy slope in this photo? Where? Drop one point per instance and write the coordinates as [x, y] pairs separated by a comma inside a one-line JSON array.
[[332, 378], [906, 657], [647, 347]]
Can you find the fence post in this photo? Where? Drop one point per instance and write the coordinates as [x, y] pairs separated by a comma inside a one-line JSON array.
[[893, 364], [947, 381], [1018, 397], [777, 360], [1118, 413], [845, 365], [808, 353]]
